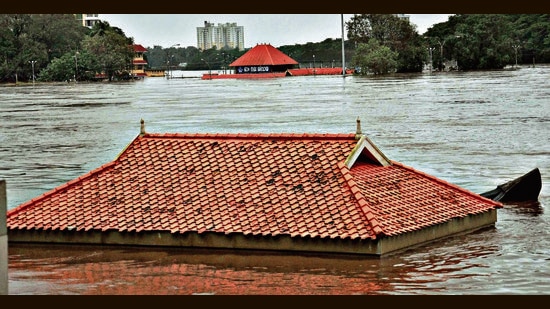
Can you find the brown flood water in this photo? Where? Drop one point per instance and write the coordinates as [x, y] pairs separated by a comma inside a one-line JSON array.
[[473, 129]]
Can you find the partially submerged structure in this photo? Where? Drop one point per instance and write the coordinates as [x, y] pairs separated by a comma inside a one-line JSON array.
[[266, 61], [263, 58], [138, 62], [325, 193]]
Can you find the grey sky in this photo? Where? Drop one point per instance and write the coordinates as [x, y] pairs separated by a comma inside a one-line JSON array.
[[276, 29]]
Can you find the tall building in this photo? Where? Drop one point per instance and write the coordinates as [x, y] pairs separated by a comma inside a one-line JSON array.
[[403, 16], [88, 20], [227, 35]]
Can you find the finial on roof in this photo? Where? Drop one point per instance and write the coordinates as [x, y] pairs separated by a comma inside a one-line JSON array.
[[142, 129], [358, 132]]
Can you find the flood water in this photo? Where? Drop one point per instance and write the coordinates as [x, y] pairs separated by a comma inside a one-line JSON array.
[[473, 129]]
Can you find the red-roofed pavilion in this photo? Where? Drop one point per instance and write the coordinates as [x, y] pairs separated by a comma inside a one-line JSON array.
[[263, 58]]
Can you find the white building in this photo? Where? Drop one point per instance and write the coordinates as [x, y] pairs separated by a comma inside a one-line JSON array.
[[227, 35], [88, 20], [404, 16]]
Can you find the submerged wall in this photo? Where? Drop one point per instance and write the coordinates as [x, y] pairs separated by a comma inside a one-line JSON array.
[[378, 247], [454, 227]]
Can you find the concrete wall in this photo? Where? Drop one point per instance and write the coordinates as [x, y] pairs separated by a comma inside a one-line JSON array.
[[3, 240], [453, 227], [379, 247], [195, 240]]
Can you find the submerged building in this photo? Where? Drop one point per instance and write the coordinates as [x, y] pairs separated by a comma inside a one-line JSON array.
[[266, 61], [138, 62], [263, 58], [321, 193]]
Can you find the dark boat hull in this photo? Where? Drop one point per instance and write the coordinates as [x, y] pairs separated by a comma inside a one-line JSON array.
[[524, 188]]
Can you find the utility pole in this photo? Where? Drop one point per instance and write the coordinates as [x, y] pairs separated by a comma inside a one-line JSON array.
[[343, 51]]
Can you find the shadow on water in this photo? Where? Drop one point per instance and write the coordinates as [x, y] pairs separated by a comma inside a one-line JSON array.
[[532, 208]]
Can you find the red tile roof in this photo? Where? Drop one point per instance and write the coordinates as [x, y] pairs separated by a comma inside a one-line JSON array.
[[138, 48], [263, 54], [302, 185]]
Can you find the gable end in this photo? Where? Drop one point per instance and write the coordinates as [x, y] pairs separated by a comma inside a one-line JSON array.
[[366, 150]]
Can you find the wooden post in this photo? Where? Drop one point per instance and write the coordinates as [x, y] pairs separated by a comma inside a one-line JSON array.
[[3, 240]]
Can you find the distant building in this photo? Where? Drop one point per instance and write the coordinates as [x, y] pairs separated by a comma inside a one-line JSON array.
[[88, 20], [227, 35], [139, 63], [404, 16]]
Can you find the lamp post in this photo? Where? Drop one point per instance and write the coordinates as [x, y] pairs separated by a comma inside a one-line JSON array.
[[32, 63], [170, 66], [169, 57], [313, 64], [516, 51], [209, 70]]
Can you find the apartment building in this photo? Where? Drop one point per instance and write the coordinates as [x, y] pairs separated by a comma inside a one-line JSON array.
[[228, 35], [88, 20]]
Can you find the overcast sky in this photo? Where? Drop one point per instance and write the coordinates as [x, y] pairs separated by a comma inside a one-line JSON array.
[[275, 29]]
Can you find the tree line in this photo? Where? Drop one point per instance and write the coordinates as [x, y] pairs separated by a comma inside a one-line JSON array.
[[56, 47], [385, 43]]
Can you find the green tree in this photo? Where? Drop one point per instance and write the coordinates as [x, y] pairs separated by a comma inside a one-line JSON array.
[[79, 66], [28, 42], [59, 34], [532, 37], [374, 58], [113, 51], [14, 42], [484, 41], [399, 35], [490, 41]]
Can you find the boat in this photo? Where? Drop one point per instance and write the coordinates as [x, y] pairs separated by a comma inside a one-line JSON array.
[[524, 188]]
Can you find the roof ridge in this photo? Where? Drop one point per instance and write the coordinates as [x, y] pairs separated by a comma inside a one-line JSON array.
[[448, 184], [363, 204], [249, 136], [61, 187]]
